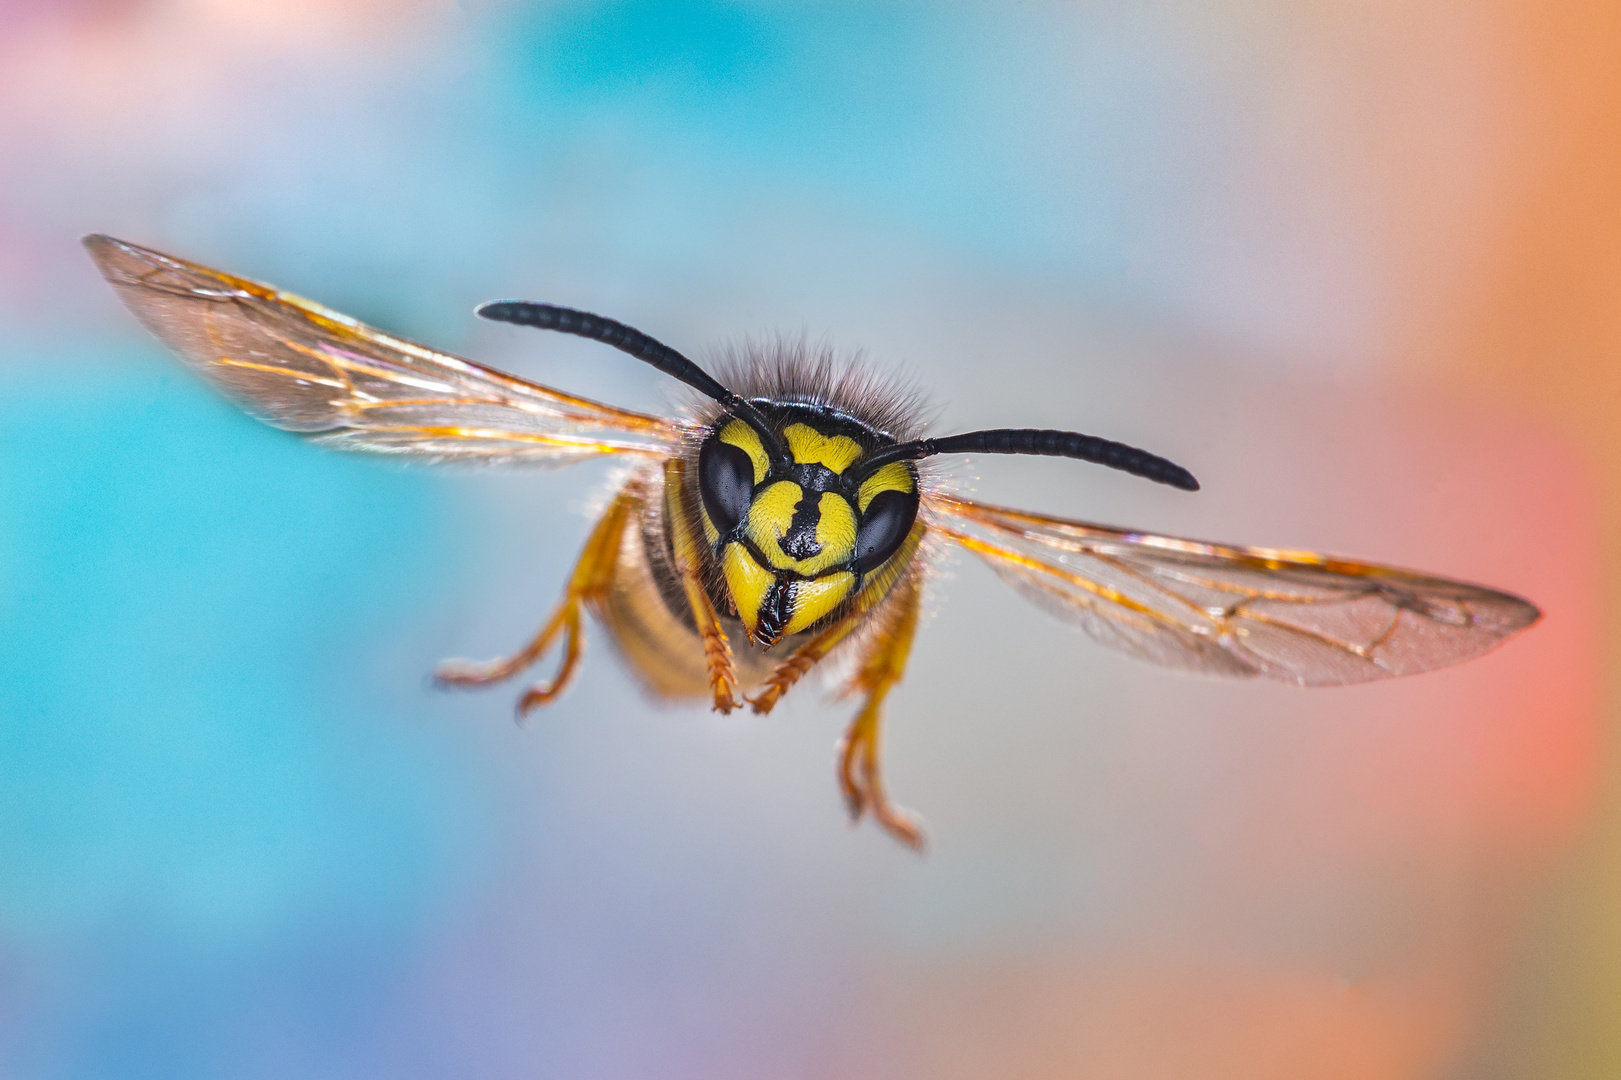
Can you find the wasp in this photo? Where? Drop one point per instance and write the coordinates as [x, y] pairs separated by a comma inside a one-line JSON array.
[[791, 515]]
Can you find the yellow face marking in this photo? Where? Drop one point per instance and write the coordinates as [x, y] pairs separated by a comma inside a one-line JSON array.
[[835, 531], [810, 600], [770, 514], [747, 440], [891, 477], [748, 583], [808, 445]]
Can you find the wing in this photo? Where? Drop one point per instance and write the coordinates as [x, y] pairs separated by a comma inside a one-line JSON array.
[[1293, 616], [298, 366]]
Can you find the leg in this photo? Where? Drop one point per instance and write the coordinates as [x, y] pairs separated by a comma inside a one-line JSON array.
[[592, 577], [681, 521], [859, 754], [791, 670]]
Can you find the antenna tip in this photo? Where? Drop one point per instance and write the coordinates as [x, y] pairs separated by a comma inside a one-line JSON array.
[[499, 310]]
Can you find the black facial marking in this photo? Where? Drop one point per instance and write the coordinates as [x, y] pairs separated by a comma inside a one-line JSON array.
[[888, 519], [726, 482], [800, 542], [814, 478]]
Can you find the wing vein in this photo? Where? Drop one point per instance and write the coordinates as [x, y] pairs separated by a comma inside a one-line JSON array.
[[302, 367], [1294, 616]]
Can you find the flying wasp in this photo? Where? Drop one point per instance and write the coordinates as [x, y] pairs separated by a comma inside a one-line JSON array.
[[791, 516]]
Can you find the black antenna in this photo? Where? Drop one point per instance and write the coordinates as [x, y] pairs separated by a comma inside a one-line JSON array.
[[1070, 444], [627, 339]]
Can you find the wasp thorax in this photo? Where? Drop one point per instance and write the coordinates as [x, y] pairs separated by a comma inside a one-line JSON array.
[[796, 537]]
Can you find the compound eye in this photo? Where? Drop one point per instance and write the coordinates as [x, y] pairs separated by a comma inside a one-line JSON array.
[[888, 519], [726, 482]]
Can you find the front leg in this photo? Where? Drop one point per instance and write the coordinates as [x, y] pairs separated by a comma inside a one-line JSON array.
[[682, 520], [791, 670], [899, 573]]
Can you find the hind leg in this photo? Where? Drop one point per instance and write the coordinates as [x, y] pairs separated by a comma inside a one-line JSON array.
[[860, 753], [588, 584]]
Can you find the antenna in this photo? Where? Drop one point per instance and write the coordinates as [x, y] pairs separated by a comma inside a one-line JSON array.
[[1070, 444], [633, 341]]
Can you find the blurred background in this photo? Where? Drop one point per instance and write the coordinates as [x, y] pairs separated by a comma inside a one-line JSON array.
[[1357, 264]]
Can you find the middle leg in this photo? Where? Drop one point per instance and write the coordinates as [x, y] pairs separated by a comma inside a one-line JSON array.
[[588, 584]]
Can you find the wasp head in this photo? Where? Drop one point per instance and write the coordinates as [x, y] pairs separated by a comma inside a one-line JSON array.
[[796, 535]]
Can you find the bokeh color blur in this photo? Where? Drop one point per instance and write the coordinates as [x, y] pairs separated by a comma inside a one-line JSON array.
[[1357, 263]]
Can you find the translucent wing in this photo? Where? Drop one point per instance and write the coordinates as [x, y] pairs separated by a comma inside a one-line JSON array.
[[298, 366], [1293, 616]]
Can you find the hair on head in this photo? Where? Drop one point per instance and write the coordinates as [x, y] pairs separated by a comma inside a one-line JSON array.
[[793, 370]]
